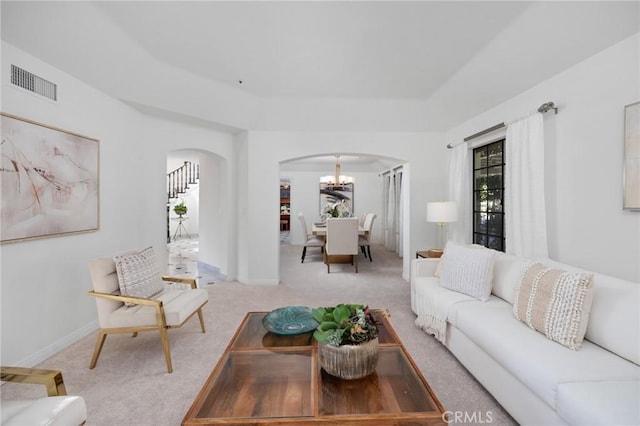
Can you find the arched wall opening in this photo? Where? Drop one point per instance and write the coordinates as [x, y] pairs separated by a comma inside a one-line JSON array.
[[367, 168], [207, 217], [424, 158]]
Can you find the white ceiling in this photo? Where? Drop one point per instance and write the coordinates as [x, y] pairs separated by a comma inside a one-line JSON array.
[[362, 49], [317, 49], [454, 59]]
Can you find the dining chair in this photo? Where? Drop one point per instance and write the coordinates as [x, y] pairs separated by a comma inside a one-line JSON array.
[[364, 241], [310, 240], [341, 244]]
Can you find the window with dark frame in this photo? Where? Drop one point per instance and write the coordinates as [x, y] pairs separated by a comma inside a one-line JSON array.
[[488, 195]]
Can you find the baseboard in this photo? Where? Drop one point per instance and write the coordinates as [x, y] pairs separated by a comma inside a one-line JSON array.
[[58, 345], [209, 268]]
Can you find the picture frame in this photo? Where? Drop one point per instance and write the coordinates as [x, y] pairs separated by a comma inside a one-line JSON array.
[[631, 172], [49, 181]]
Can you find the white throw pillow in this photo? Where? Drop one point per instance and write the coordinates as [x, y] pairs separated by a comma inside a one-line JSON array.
[[554, 302], [467, 270], [138, 274]]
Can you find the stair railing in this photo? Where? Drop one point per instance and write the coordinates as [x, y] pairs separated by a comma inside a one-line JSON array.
[[178, 180]]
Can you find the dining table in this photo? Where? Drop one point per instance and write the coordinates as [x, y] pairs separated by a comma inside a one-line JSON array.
[[320, 229]]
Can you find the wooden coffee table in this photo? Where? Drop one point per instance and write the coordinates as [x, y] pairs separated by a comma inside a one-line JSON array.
[[268, 378]]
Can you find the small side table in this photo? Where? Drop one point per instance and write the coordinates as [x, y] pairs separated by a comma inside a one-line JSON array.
[[428, 253]]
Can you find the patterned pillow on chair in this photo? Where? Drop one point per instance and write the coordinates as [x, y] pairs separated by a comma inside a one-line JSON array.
[[138, 274]]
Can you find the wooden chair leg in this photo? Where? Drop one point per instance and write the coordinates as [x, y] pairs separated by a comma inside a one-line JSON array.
[[165, 347], [201, 317], [96, 351], [304, 253], [135, 334], [369, 250]]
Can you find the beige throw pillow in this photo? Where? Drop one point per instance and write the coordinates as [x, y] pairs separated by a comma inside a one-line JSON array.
[[555, 302], [138, 274]]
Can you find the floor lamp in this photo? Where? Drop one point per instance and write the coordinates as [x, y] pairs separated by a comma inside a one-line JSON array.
[[442, 212]]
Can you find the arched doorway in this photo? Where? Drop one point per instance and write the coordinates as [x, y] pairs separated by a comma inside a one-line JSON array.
[[367, 170], [198, 247]]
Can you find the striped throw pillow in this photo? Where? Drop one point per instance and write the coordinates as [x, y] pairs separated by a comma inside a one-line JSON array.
[[467, 270], [555, 302]]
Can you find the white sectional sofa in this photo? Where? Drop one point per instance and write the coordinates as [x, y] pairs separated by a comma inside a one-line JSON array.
[[539, 381]]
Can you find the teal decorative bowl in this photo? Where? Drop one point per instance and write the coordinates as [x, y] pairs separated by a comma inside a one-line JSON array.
[[290, 320]]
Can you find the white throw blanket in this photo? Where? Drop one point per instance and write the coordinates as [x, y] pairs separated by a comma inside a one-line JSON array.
[[433, 309]]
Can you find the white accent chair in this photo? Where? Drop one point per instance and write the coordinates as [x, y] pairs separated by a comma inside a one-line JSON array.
[[364, 240], [342, 242], [57, 408], [170, 309], [310, 239]]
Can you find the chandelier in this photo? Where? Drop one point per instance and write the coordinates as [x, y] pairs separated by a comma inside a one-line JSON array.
[[337, 179]]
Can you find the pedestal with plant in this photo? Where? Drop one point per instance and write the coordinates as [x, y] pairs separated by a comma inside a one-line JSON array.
[[180, 209], [347, 338]]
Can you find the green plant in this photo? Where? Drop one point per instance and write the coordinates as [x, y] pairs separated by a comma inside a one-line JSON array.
[[180, 208], [344, 324]]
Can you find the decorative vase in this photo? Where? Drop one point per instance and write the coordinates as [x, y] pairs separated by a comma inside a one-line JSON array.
[[349, 361]]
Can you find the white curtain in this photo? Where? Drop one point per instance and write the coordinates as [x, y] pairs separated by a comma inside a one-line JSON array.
[[460, 191], [524, 199], [392, 215], [398, 224], [390, 232]]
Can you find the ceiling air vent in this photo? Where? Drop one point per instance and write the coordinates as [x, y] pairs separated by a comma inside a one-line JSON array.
[[33, 83]]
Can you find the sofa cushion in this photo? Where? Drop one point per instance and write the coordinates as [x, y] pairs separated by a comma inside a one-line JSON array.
[[432, 305], [467, 270], [536, 361], [614, 321], [555, 302], [507, 273], [138, 274], [582, 403]]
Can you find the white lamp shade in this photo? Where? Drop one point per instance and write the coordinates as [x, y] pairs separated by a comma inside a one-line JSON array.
[[442, 212]]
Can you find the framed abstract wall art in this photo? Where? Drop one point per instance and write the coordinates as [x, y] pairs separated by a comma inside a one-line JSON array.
[[330, 194], [48, 181], [631, 176]]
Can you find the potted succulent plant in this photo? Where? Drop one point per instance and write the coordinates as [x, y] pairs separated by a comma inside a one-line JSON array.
[[347, 337]]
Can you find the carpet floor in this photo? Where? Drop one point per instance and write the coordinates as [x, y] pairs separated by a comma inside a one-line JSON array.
[[130, 384]]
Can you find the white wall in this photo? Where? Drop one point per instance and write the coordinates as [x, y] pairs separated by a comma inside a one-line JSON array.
[[587, 226], [216, 209], [265, 150], [45, 305], [44, 301]]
